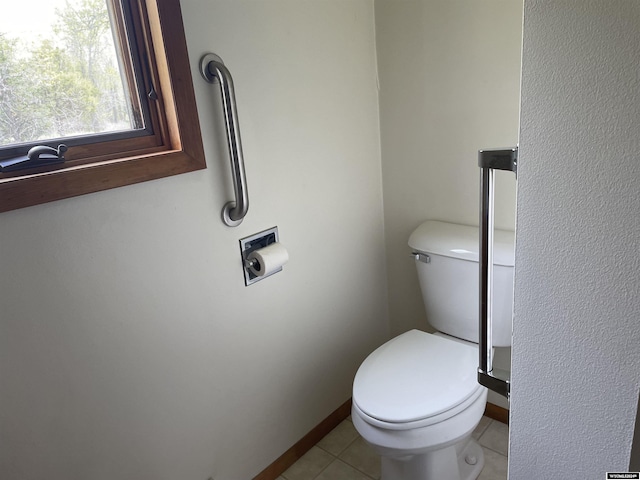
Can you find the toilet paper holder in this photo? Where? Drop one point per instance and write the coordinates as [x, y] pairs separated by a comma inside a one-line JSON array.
[[252, 243]]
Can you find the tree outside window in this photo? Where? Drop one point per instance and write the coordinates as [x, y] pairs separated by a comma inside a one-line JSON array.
[[65, 82]]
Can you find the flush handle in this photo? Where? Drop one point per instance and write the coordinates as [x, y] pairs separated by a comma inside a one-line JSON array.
[[421, 257]]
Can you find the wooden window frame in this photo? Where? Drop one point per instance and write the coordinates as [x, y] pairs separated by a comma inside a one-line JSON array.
[[177, 143]]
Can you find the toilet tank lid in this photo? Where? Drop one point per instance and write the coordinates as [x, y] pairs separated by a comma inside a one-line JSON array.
[[461, 241]]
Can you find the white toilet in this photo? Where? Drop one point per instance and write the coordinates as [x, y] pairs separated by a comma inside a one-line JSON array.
[[416, 398]]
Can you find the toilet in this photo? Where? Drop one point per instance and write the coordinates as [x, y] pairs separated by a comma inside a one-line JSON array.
[[416, 399]]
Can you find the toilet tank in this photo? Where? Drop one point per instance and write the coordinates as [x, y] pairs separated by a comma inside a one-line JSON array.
[[449, 279]]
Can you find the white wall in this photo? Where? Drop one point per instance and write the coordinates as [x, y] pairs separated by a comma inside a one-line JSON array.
[[449, 85], [130, 347], [576, 362]]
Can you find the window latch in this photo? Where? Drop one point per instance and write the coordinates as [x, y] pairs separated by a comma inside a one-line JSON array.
[[37, 156]]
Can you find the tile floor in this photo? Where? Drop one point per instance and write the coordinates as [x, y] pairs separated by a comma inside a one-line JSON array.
[[344, 455]]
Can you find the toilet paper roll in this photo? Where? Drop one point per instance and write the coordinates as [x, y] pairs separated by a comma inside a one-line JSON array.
[[267, 260]]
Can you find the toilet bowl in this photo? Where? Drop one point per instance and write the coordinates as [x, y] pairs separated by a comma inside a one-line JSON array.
[[416, 402], [416, 399]]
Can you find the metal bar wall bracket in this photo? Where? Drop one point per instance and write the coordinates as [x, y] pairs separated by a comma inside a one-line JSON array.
[[489, 161], [212, 69]]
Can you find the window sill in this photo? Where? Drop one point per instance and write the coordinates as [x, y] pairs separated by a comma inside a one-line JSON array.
[[25, 190]]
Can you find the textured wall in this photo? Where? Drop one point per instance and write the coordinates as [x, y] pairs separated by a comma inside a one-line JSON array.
[[576, 362], [130, 347]]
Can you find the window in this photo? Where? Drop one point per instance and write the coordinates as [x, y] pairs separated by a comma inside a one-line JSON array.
[[117, 93]]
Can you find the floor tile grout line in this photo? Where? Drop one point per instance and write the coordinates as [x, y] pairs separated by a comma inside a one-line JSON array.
[[341, 451], [322, 471], [484, 430], [337, 457], [326, 451], [353, 466], [347, 464], [333, 459], [495, 451]]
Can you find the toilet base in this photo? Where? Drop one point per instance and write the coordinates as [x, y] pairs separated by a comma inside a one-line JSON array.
[[462, 461]]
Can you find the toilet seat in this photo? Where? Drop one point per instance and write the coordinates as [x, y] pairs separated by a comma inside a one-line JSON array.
[[416, 379]]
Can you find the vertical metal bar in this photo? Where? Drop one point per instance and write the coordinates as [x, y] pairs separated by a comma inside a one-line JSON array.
[[489, 161], [212, 68], [486, 267]]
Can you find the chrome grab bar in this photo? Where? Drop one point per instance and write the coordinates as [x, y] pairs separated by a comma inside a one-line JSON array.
[[212, 68], [489, 161]]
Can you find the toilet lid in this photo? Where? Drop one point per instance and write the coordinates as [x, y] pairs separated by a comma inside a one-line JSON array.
[[415, 376]]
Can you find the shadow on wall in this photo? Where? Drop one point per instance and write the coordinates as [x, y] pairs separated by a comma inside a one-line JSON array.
[[634, 462]]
